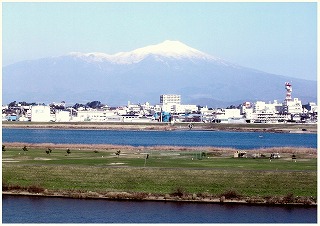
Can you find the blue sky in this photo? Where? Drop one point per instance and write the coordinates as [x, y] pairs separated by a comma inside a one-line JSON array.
[[278, 38]]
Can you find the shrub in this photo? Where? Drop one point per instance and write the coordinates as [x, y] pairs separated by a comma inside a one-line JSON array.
[[273, 200], [304, 200], [204, 195], [139, 195], [231, 194], [35, 189], [13, 187], [255, 200], [289, 198], [178, 192], [5, 186]]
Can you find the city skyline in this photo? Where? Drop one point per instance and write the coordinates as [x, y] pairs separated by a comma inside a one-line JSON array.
[[279, 38]]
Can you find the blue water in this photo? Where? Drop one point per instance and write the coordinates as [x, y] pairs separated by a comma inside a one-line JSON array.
[[239, 140], [22, 209]]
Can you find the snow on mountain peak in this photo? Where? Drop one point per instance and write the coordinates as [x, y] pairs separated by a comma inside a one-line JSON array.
[[166, 49], [169, 49]]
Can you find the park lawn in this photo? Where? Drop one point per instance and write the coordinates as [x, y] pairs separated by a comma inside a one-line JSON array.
[[163, 172], [164, 159]]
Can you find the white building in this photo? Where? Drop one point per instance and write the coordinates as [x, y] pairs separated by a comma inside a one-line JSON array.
[[172, 103], [293, 106], [170, 99], [179, 108], [93, 115], [62, 116], [263, 112], [262, 107], [40, 113], [228, 116], [184, 108]]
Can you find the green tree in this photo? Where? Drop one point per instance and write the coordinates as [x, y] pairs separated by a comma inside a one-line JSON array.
[[48, 151], [12, 104], [94, 104]]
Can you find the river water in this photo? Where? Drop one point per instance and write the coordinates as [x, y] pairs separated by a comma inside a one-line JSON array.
[[17, 209], [63, 210], [239, 140]]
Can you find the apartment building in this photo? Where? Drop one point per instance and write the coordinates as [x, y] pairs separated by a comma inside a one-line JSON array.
[[170, 99]]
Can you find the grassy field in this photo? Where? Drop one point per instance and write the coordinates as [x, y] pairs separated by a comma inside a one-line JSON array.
[[166, 170]]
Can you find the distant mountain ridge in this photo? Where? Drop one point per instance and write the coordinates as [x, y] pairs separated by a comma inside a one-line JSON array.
[[143, 75]]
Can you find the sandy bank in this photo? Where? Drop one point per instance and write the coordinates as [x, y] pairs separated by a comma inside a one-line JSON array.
[[156, 197]]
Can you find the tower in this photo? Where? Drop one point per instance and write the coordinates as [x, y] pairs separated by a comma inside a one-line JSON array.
[[288, 88]]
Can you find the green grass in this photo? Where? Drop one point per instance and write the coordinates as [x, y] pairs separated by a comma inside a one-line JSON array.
[[163, 172], [156, 159]]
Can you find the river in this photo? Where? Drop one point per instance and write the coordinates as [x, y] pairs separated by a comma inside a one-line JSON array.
[[26, 209], [239, 140]]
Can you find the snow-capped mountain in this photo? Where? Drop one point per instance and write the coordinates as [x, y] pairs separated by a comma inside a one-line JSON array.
[[167, 49], [143, 75]]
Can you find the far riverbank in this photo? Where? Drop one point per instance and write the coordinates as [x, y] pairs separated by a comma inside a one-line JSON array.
[[272, 128]]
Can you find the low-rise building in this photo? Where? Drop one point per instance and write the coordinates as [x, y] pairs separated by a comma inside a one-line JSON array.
[[40, 113], [228, 116], [62, 116], [93, 115]]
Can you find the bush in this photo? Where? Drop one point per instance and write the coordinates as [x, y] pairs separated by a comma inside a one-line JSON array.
[[289, 198], [231, 194], [255, 200], [273, 199], [204, 195], [178, 192], [35, 189], [304, 200], [139, 195], [5, 186]]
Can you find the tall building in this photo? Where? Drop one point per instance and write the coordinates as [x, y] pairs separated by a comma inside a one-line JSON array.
[[170, 99]]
